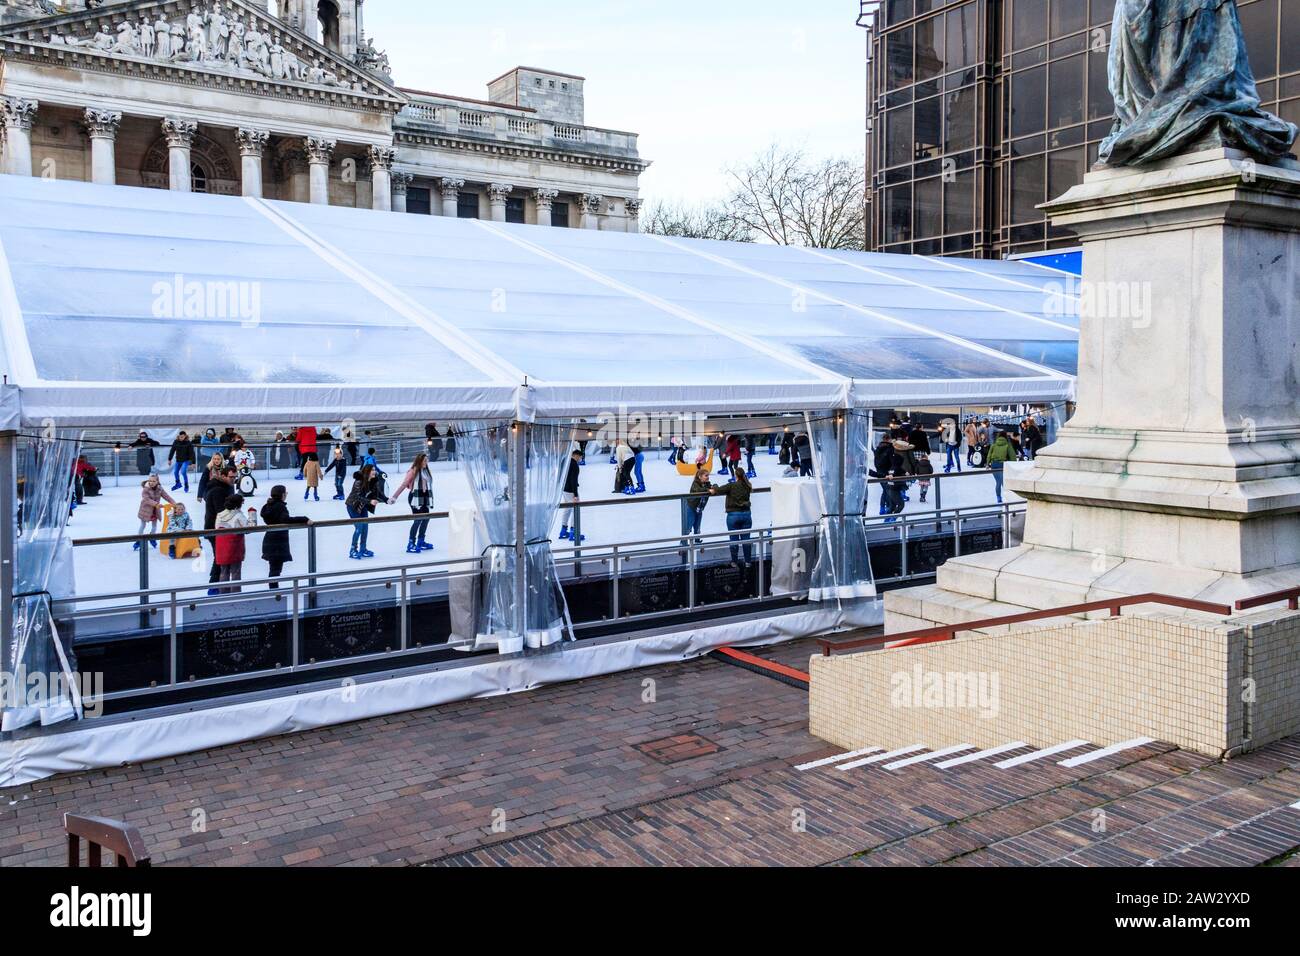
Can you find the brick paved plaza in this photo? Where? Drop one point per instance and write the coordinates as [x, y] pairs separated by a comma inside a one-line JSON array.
[[589, 773]]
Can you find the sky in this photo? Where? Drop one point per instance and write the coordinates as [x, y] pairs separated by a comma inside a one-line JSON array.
[[706, 83]]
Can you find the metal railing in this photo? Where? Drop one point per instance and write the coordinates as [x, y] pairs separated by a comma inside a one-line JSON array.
[[948, 632], [1290, 595], [120, 839]]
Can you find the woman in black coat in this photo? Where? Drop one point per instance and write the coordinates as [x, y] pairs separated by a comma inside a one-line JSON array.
[[275, 544]]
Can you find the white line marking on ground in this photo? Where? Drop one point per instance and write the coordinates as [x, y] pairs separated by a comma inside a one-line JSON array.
[[836, 759], [991, 752], [1107, 751], [928, 756], [1039, 754], [889, 756]]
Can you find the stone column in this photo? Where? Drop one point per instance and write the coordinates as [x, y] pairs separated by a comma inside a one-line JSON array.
[[401, 182], [319, 152], [101, 126], [545, 201], [590, 205], [633, 207], [18, 116], [381, 177], [497, 193], [252, 142], [180, 137], [450, 189]]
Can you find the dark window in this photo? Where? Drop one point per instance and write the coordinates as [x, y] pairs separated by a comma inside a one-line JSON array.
[[1068, 16], [899, 58], [1259, 24], [198, 179], [1028, 100], [1100, 103], [959, 204], [419, 200], [1289, 35], [898, 213], [467, 206], [959, 120], [514, 209], [962, 41], [1027, 187], [899, 10], [1064, 170], [929, 208], [929, 48], [898, 136], [929, 127], [560, 214], [1029, 23], [1065, 91]]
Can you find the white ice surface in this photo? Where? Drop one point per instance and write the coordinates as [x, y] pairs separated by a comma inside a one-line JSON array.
[[102, 569]]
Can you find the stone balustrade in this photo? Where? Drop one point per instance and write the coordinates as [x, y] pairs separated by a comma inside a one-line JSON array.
[[430, 113]]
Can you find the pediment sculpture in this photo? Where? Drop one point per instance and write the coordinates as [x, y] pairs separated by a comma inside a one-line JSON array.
[[224, 38]]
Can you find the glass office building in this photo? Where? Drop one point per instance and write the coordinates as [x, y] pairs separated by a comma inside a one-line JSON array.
[[980, 110]]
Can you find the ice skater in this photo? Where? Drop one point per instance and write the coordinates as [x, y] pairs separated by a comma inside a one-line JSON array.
[[180, 456], [231, 547], [568, 525], [275, 544], [339, 465], [361, 503], [419, 482], [150, 512]]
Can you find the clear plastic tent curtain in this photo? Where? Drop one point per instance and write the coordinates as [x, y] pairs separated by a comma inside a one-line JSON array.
[[843, 568], [487, 450], [39, 671]]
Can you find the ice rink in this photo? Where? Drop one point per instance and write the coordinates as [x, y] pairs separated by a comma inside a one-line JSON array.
[[110, 568]]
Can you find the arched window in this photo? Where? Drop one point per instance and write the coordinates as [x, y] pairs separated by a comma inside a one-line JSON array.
[[327, 17], [198, 179]]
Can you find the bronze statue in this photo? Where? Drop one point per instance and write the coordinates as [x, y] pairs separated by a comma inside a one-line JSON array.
[[1182, 82]]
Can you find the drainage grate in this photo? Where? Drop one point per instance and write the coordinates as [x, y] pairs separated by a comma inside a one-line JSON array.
[[676, 749]]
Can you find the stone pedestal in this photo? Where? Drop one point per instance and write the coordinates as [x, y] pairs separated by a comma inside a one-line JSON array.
[[1180, 473]]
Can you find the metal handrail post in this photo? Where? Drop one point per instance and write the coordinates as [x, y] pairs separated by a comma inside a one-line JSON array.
[[577, 539], [613, 583], [144, 583], [297, 649], [403, 609], [174, 643], [311, 565]]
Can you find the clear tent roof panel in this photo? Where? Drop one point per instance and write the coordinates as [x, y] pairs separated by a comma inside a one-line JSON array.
[[383, 315], [881, 344], [519, 315], [199, 297]]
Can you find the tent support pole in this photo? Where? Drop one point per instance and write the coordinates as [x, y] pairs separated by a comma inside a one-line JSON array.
[[8, 543], [842, 463], [518, 466]]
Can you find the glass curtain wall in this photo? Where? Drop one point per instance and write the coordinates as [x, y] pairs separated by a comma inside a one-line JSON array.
[[985, 109]]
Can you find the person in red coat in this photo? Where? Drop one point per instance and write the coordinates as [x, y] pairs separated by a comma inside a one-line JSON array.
[[733, 454], [306, 447]]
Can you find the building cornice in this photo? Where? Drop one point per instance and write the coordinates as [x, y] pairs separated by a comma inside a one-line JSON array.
[[517, 151]]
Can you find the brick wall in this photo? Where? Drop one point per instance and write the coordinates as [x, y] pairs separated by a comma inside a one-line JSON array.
[[1169, 677]]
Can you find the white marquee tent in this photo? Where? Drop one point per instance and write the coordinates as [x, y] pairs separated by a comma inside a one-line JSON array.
[[128, 306]]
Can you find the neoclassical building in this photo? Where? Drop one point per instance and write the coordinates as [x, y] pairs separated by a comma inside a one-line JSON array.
[[289, 99]]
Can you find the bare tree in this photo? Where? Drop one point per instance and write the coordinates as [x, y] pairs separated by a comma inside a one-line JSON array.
[[709, 221], [788, 199]]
